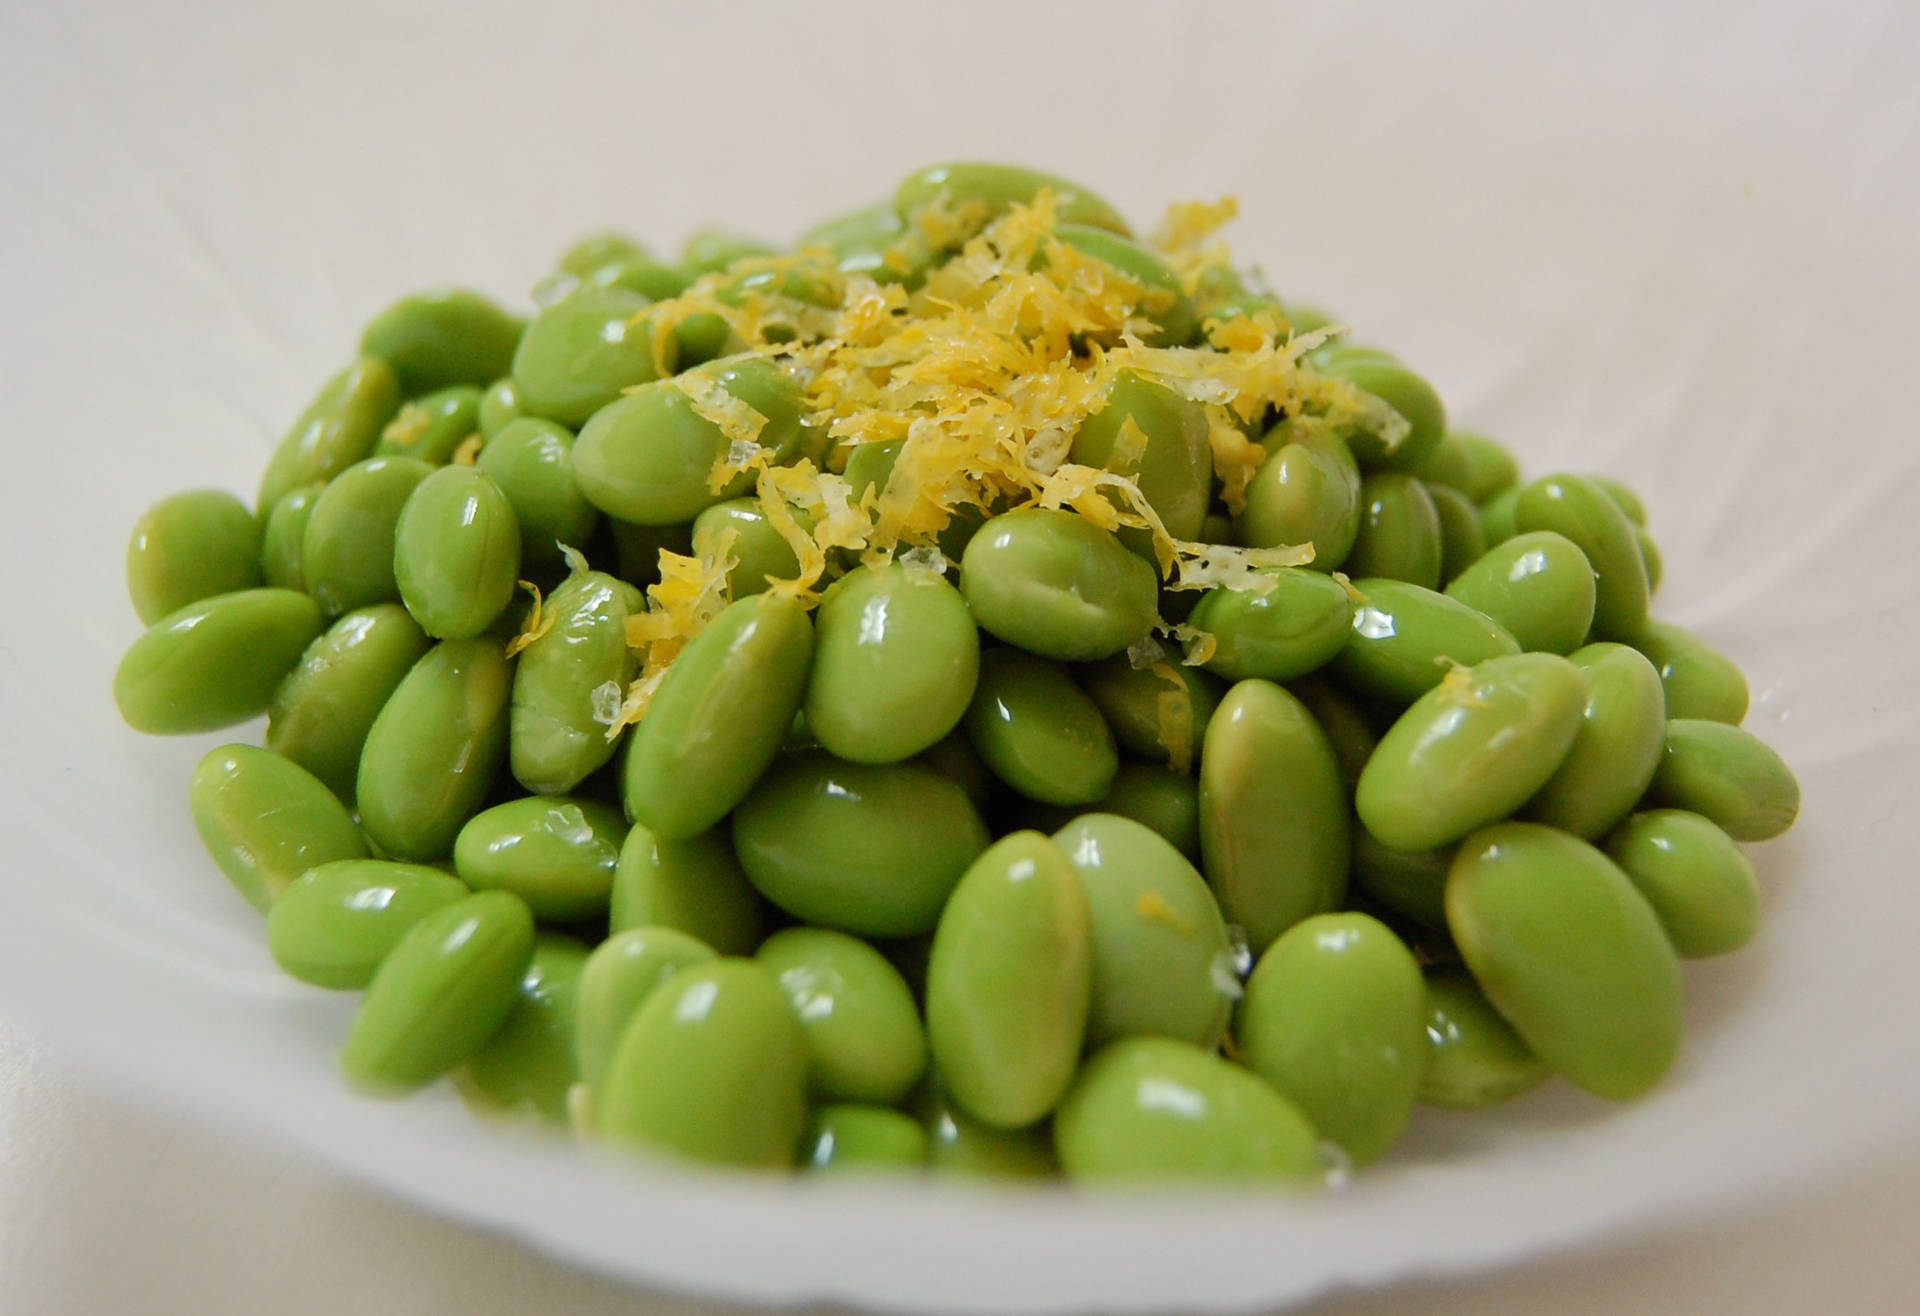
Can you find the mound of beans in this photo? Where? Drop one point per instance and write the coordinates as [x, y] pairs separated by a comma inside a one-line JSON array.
[[912, 875]]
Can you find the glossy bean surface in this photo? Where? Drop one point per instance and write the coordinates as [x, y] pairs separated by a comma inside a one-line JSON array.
[[1039, 732], [1274, 831], [1727, 775], [1472, 750], [1009, 981], [188, 547], [1148, 1109], [872, 849], [1569, 953], [265, 821], [321, 713], [719, 717], [214, 663]]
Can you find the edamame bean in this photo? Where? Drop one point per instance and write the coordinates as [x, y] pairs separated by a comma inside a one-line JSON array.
[[1489, 468], [1474, 1058], [322, 711], [1445, 467], [713, 1067], [266, 821], [761, 552], [285, 535], [338, 428], [582, 352], [693, 885], [1162, 964], [960, 1145], [557, 853], [710, 250], [874, 241], [649, 278], [1159, 798], [1409, 883], [1616, 749], [1497, 515], [1623, 498], [1700, 885], [616, 980], [434, 750], [1348, 730], [870, 465], [1154, 436], [213, 663], [1305, 494], [1405, 638], [1700, 681], [1582, 511], [650, 456], [1539, 586], [1151, 1108], [1039, 732], [991, 189], [529, 1065], [719, 717], [1399, 535], [1057, 585], [1341, 350], [1404, 407], [1293, 628], [1159, 712], [955, 758], [500, 406], [437, 339], [595, 250], [872, 849], [1218, 529], [456, 553], [864, 1039], [1729, 776], [347, 552], [864, 1139], [1335, 1019], [1164, 301], [531, 461], [1570, 955], [1472, 750], [336, 922], [1274, 830], [568, 684], [1462, 541], [1649, 556], [440, 994], [895, 659], [188, 547], [431, 428], [1009, 981]]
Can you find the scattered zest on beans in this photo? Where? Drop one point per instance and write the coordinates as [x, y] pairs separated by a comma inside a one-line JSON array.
[[980, 691]]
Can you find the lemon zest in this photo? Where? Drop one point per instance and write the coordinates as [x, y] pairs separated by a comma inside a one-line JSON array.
[[539, 621], [1173, 718], [1154, 907]]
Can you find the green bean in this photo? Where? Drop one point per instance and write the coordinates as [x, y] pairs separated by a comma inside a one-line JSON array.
[[190, 547]]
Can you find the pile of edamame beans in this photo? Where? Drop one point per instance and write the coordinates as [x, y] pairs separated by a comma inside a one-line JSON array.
[[976, 691]]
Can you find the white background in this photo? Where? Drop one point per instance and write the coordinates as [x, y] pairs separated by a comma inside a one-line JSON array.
[[1673, 243]]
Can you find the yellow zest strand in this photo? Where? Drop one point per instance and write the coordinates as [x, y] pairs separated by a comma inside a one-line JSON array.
[[1173, 716], [1153, 906], [539, 622]]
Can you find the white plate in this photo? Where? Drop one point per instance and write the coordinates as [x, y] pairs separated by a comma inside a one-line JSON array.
[[1672, 246]]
